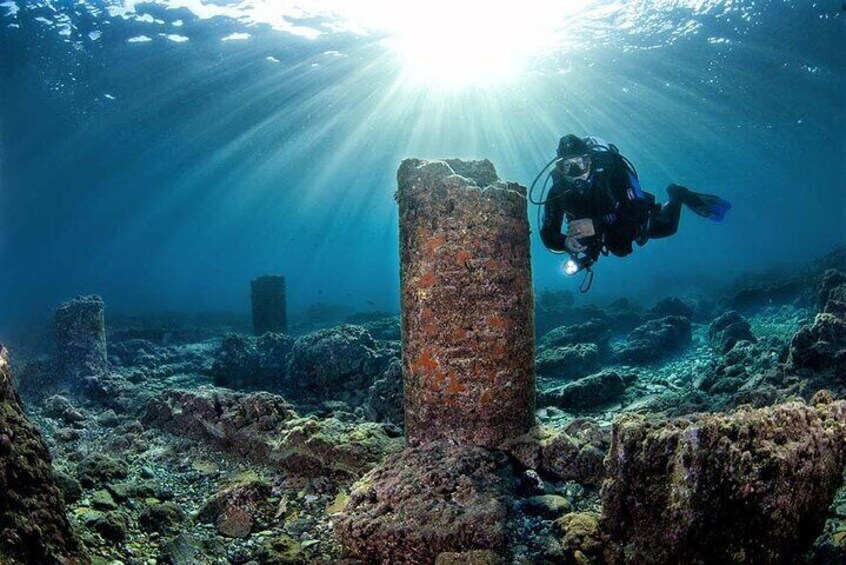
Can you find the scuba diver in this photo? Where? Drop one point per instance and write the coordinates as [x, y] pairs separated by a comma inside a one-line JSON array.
[[597, 191]]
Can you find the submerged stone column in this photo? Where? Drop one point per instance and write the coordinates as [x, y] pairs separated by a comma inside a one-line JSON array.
[[467, 303], [81, 338], [270, 311]]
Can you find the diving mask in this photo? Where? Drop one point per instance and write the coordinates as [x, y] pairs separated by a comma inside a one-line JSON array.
[[575, 167]]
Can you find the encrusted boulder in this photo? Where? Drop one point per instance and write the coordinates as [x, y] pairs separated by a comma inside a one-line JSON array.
[[568, 362], [753, 483], [727, 330], [116, 392], [333, 363], [821, 347], [265, 428], [98, 469], [671, 307], [33, 524], [588, 392], [235, 509], [556, 309], [60, 408], [747, 371], [832, 287], [426, 501], [386, 329], [246, 362], [581, 538], [596, 332], [747, 365], [140, 360], [475, 557], [384, 402], [575, 453], [165, 517], [655, 340], [672, 403]]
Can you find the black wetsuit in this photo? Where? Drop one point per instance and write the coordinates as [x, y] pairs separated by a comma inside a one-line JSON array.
[[621, 211]]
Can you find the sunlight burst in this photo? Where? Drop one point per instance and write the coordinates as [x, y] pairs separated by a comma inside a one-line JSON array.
[[458, 44]]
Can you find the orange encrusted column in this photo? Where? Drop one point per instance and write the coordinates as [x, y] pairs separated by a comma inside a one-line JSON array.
[[467, 303]]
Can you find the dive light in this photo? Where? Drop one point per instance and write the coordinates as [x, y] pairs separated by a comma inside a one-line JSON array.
[[576, 264]]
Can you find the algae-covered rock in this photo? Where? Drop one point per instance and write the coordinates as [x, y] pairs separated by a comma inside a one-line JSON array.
[[385, 399], [327, 361], [235, 509], [576, 454], [111, 526], [477, 557], [426, 501], [246, 362], [282, 550], [548, 506], [100, 468], [70, 487], [822, 345], [581, 534], [162, 518], [263, 427], [596, 332], [832, 287], [747, 365], [60, 408], [102, 500], [588, 392], [312, 446], [655, 340], [728, 329], [568, 361], [671, 306], [573, 454], [754, 483], [385, 328], [33, 525], [181, 549], [115, 391]]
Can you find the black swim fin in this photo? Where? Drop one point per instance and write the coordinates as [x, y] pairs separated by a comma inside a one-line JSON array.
[[705, 205]]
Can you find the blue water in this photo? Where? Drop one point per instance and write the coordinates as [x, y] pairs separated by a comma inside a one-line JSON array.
[[164, 173]]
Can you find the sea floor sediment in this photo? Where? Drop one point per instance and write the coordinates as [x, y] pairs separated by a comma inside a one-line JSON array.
[[203, 445]]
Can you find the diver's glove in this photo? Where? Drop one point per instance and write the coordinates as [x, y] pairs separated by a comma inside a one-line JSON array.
[[576, 230], [573, 245]]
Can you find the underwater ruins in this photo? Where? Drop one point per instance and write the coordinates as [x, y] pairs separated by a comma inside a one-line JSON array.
[[483, 424]]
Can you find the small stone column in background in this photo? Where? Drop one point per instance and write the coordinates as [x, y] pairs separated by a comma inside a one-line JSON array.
[[270, 311], [467, 303], [81, 338]]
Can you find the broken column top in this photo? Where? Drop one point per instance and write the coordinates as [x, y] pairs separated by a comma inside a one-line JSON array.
[[81, 302], [269, 279], [454, 173]]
